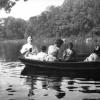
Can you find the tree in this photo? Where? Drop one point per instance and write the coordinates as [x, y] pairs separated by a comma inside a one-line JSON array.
[[74, 17], [8, 4], [15, 28]]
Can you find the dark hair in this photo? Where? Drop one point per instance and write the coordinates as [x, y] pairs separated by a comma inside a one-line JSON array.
[[70, 45], [43, 48], [30, 50], [59, 42], [29, 36]]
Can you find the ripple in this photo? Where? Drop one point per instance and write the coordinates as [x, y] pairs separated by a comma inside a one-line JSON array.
[[10, 94], [91, 99], [60, 95], [9, 89], [50, 86]]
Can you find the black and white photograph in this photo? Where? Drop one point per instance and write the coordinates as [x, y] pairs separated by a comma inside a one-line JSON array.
[[49, 49]]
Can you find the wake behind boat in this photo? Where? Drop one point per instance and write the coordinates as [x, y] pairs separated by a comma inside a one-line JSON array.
[[61, 65]]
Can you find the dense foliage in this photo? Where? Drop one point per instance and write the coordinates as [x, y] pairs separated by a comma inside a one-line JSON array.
[[13, 28], [8, 4], [73, 17]]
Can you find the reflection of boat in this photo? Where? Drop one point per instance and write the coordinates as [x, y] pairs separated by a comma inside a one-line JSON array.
[[61, 65], [59, 85], [86, 74]]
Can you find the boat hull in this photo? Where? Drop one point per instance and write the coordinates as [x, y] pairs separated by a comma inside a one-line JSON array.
[[61, 65]]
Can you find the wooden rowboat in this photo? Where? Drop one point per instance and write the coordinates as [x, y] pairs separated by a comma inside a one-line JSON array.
[[61, 65]]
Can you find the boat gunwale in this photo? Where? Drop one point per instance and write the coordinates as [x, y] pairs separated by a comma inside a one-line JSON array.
[[58, 62], [61, 65]]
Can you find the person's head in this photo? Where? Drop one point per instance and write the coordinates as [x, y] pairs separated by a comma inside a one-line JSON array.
[[64, 40], [70, 45], [59, 42], [43, 48], [97, 47], [97, 50], [29, 39]]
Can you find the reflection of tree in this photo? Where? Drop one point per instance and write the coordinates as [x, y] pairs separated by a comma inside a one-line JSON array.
[[44, 86], [56, 85], [31, 89], [60, 95], [36, 83], [47, 85], [51, 86]]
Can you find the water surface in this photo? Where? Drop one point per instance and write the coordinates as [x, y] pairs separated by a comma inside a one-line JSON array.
[[20, 83]]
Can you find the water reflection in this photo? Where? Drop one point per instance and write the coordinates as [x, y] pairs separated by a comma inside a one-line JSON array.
[[11, 82], [69, 85], [18, 82]]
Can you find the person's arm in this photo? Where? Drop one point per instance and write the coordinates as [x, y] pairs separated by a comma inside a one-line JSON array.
[[24, 50], [34, 50], [64, 54]]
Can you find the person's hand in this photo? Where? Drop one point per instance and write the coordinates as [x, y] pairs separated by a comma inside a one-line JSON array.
[[30, 50]]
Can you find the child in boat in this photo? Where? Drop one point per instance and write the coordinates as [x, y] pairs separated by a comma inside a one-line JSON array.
[[41, 55], [50, 58], [28, 50], [69, 53], [53, 50], [95, 55]]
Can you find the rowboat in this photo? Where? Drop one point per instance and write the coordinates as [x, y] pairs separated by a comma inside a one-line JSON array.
[[60, 65]]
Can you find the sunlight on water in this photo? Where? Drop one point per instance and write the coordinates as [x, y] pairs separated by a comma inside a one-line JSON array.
[[11, 85], [20, 83]]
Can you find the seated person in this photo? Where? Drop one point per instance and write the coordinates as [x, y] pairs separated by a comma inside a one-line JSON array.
[[27, 50], [50, 58], [69, 53], [53, 50], [94, 56], [42, 54]]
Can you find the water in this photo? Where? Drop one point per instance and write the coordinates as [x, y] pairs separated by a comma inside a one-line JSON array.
[[20, 83]]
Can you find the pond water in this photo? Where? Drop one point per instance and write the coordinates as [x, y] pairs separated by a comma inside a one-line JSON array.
[[20, 83]]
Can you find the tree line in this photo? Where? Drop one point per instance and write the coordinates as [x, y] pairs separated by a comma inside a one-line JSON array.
[[73, 17], [11, 28]]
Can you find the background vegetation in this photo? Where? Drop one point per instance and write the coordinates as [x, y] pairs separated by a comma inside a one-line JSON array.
[[74, 20], [73, 17]]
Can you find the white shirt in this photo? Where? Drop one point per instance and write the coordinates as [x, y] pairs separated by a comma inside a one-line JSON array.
[[27, 47], [41, 56], [50, 58], [69, 52], [53, 50], [92, 57]]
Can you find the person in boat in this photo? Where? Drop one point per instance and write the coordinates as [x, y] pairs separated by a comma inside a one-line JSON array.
[[50, 58], [95, 55], [69, 53], [28, 49], [42, 54], [54, 50]]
